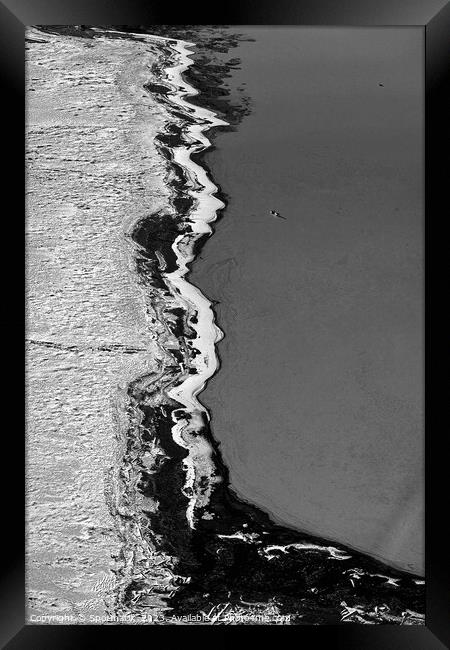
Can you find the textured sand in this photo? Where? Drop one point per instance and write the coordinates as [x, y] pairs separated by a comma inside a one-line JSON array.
[[92, 172]]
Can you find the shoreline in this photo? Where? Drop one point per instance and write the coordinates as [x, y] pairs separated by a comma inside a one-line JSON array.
[[188, 543], [204, 513]]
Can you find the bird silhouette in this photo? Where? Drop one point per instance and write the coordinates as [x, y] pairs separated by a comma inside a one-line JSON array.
[[274, 213]]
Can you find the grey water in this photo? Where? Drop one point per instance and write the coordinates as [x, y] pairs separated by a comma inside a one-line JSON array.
[[318, 404]]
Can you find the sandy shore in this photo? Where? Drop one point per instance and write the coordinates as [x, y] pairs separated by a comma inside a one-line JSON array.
[[92, 172]]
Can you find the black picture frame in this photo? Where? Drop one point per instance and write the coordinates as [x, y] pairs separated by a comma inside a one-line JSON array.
[[434, 17]]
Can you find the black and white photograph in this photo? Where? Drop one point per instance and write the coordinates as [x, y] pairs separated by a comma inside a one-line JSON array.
[[224, 325]]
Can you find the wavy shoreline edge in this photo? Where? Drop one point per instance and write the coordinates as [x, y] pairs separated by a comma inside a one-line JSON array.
[[186, 338], [189, 544]]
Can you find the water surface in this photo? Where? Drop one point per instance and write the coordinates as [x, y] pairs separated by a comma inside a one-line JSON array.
[[318, 404]]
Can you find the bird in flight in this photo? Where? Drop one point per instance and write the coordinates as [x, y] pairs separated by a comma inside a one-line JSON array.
[[274, 213]]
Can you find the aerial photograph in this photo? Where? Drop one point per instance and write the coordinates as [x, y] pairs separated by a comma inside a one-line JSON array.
[[224, 325]]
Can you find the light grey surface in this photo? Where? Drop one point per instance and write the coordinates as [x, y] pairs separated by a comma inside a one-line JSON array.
[[92, 172], [318, 404]]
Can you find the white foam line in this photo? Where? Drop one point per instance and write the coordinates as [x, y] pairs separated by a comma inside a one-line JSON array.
[[190, 419], [204, 212], [334, 552]]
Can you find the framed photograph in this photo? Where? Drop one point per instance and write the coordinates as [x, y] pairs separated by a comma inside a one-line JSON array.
[[225, 233]]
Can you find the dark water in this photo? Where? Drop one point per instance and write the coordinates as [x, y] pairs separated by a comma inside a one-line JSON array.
[[318, 404]]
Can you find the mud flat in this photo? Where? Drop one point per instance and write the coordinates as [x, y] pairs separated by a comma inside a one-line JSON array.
[[92, 172]]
